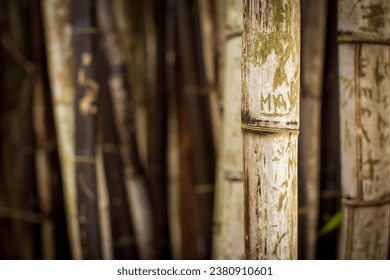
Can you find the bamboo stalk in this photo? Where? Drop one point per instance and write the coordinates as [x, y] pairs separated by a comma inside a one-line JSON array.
[[188, 208], [41, 155], [125, 124], [173, 149], [132, 29], [157, 137], [270, 123], [58, 29], [87, 90], [123, 239], [207, 34], [313, 42], [194, 83], [228, 232], [364, 53], [17, 127]]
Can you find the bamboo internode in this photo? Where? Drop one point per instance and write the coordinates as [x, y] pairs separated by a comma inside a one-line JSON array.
[[270, 121]]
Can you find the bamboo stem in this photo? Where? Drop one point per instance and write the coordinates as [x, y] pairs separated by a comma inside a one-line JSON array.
[[157, 138], [199, 120], [124, 245], [313, 42], [59, 36], [87, 89], [364, 116], [228, 231], [270, 117], [125, 124]]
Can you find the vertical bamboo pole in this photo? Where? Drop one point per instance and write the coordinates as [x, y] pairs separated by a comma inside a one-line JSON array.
[[87, 89], [41, 155], [125, 124], [364, 57], [157, 137], [313, 42], [270, 123], [58, 29], [209, 42], [193, 79], [173, 144], [130, 18], [228, 231], [124, 243]]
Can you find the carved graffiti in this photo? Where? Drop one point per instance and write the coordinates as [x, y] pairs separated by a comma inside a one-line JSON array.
[[87, 102]]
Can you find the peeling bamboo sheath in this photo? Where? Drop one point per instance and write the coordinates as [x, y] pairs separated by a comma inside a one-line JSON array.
[[364, 55], [270, 117]]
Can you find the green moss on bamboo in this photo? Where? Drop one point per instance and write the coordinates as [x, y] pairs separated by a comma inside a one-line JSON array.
[[278, 41]]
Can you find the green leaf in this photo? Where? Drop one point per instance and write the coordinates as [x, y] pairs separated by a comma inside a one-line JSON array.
[[332, 224]]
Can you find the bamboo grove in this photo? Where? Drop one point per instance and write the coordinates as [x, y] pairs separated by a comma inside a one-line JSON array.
[[194, 129]]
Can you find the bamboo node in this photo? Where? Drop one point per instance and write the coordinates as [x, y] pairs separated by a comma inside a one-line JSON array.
[[250, 127], [86, 30], [234, 176], [197, 89], [350, 202], [233, 32], [353, 39], [204, 188], [85, 159]]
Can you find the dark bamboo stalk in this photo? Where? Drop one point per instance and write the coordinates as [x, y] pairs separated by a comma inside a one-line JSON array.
[[330, 143], [313, 49], [41, 135], [189, 220], [124, 246], [87, 88], [18, 146], [194, 83], [157, 137], [125, 124], [173, 149]]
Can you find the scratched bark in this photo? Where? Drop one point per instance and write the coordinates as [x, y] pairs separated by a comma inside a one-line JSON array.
[[270, 122], [364, 55], [228, 228], [313, 42], [57, 16]]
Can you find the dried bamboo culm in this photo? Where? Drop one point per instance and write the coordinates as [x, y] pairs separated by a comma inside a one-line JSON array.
[[58, 27], [123, 239], [207, 22], [199, 120], [313, 42], [364, 54], [270, 123], [228, 228], [173, 146], [86, 109], [131, 23], [123, 111], [42, 161]]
